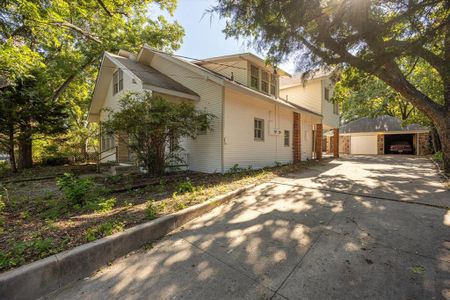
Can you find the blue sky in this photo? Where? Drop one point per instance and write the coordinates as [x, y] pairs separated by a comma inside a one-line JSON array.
[[203, 36]]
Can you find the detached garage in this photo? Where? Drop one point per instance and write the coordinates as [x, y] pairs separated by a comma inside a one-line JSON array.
[[383, 135]]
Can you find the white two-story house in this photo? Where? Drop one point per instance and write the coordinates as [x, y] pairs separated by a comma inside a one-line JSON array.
[[254, 126], [314, 94]]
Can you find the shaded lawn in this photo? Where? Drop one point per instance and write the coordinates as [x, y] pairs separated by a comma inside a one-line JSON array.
[[37, 220]]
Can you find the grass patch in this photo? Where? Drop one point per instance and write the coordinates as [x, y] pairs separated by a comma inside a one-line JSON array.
[[103, 229]]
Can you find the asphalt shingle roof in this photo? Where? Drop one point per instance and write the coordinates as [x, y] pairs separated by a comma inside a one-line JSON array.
[[378, 124], [151, 76]]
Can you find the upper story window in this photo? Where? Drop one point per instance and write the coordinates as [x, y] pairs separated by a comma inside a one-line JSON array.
[[336, 108], [327, 94], [254, 77], [259, 129], [265, 81], [273, 84], [117, 81]]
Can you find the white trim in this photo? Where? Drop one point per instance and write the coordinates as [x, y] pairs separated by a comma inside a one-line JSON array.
[[170, 92]]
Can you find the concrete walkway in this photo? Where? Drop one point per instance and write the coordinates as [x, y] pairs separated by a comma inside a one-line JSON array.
[[353, 228]]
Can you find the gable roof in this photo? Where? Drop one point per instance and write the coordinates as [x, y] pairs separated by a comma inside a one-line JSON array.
[[151, 76], [223, 80], [298, 79], [378, 124], [246, 56]]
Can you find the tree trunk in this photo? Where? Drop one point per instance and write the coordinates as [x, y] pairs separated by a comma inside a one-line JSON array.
[[25, 148], [443, 129], [435, 140], [12, 156]]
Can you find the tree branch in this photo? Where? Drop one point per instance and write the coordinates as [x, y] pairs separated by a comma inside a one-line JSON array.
[[100, 2], [66, 83], [77, 29]]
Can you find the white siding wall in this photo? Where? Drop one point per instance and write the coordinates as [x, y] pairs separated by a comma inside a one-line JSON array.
[[205, 152], [112, 102], [238, 67], [309, 95], [330, 119], [307, 122], [240, 146]]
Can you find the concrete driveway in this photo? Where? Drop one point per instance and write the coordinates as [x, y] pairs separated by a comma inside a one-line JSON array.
[[352, 228]]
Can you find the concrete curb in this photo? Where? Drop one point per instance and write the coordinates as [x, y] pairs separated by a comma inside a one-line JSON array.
[[47, 275]]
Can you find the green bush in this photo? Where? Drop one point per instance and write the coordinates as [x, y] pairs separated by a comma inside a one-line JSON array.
[[75, 189], [55, 160], [151, 210], [101, 204], [103, 229], [185, 187], [439, 156], [4, 168], [17, 251]]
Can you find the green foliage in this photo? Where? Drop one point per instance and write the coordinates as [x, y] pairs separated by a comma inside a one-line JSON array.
[[235, 169], [101, 204], [154, 124], [151, 210], [103, 229], [16, 253], [438, 156], [75, 189], [55, 48], [4, 168], [362, 95], [185, 187]]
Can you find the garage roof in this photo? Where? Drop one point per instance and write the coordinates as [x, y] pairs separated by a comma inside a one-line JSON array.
[[378, 124]]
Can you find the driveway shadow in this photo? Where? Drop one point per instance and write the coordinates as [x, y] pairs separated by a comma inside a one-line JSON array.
[[287, 241]]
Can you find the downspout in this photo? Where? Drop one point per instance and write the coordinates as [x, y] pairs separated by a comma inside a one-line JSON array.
[[222, 139]]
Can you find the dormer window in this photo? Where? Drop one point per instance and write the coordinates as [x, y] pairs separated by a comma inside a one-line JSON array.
[[273, 84], [117, 81], [254, 77], [265, 82]]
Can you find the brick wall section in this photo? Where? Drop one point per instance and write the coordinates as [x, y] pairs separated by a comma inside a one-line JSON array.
[[122, 147], [346, 143], [297, 140], [380, 144], [336, 142], [424, 147], [319, 138]]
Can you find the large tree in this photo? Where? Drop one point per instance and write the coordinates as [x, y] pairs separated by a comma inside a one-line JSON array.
[[370, 35], [69, 38]]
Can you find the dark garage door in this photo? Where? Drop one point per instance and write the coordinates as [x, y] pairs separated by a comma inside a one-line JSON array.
[[399, 144]]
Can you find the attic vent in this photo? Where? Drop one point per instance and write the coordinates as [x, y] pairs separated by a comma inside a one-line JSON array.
[[133, 81]]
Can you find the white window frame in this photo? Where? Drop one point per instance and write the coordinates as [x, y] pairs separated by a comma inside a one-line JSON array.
[[287, 138], [265, 78], [117, 81], [260, 129], [254, 75], [326, 94], [273, 85]]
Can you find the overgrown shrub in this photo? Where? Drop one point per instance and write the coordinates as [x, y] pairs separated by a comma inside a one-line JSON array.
[[75, 189], [103, 229], [151, 210], [101, 204], [55, 160], [439, 156], [17, 252], [185, 187], [4, 168]]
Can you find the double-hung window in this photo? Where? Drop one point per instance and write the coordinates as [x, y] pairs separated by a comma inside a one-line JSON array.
[[273, 84], [259, 130], [327, 94], [254, 77], [265, 81], [117, 81], [286, 138]]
